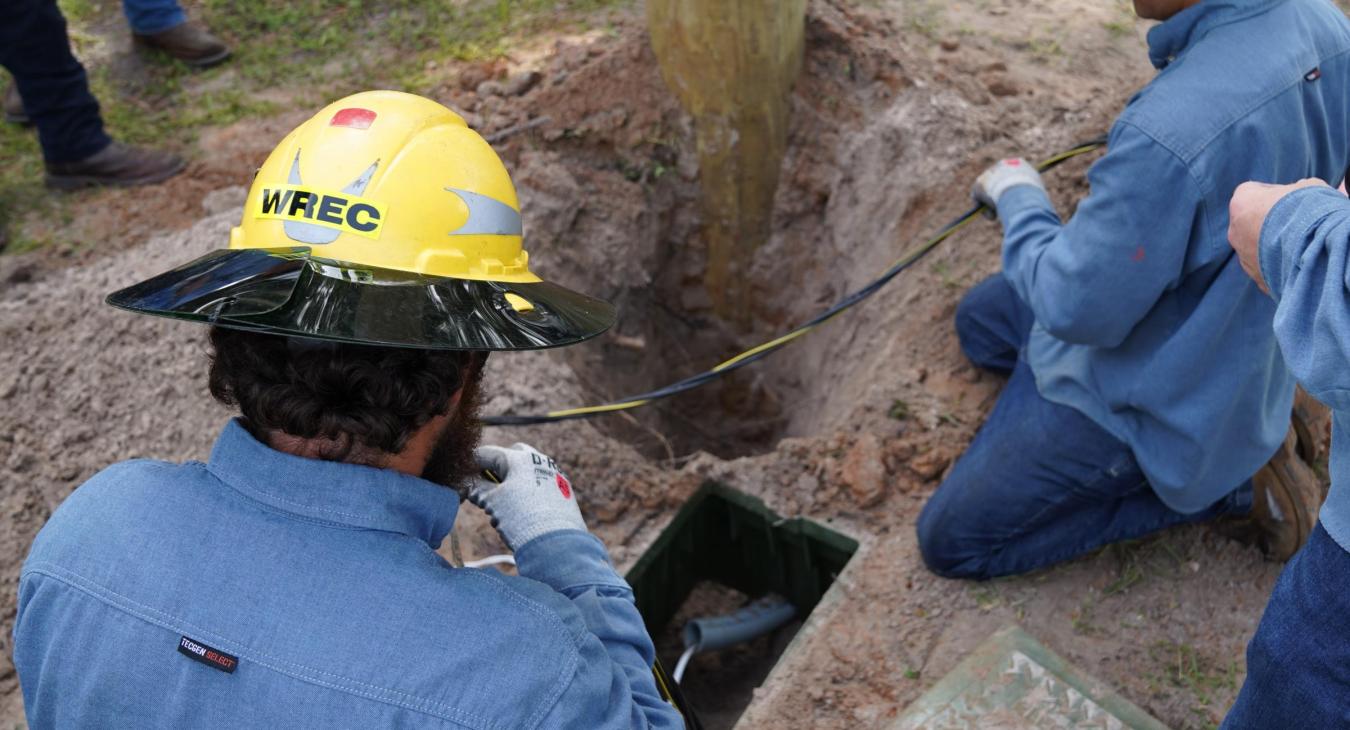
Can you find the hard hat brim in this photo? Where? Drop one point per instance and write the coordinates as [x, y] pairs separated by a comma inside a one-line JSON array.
[[289, 291]]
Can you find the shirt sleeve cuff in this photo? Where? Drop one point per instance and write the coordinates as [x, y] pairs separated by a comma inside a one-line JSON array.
[[1019, 198], [566, 560], [1285, 231]]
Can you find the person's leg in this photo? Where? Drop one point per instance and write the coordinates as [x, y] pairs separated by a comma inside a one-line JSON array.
[[992, 324], [148, 17], [162, 25], [1298, 663], [1040, 484], [36, 50]]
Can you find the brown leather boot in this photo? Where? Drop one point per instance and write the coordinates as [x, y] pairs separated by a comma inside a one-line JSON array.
[[188, 43], [117, 164], [1312, 423], [14, 111], [1286, 496]]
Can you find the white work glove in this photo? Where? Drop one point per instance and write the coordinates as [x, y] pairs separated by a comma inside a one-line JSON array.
[[533, 498], [1003, 176]]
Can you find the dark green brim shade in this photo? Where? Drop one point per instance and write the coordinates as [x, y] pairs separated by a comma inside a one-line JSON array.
[[289, 292]]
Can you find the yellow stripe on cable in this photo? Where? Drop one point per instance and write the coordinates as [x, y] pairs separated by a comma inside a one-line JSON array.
[[782, 340]]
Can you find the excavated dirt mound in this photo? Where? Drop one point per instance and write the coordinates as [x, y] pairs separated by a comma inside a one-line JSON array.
[[900, 105]]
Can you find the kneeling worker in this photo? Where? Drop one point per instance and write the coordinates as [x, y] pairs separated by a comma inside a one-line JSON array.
[[1146, 389], [290, 581]]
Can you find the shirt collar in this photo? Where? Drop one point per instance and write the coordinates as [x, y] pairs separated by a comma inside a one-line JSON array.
[[332, 491], [1169, 39]]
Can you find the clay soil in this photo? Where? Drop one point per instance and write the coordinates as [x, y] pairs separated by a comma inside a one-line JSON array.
[[901, 104]]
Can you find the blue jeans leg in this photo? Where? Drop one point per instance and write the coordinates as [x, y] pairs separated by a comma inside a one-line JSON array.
[[1041, 483], [36, 50], [993, 324], [153, 16], [1298, 663]]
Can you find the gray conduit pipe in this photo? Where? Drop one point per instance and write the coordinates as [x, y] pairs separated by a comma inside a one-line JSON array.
[[719, 632]]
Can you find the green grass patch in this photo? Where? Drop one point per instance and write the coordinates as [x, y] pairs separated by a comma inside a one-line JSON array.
[[304, 52], [1212, 681]]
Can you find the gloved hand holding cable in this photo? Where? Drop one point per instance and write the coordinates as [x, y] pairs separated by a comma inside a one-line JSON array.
[[531, 499], [1000, 178]]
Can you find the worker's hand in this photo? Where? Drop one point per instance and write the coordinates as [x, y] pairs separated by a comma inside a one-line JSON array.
[[1247, 212], [997, 180], [532, 499]]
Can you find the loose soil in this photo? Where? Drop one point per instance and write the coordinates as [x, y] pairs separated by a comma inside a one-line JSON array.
[[901, 104]]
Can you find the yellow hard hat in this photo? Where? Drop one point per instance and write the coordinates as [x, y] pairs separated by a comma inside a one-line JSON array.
[[385, 220]]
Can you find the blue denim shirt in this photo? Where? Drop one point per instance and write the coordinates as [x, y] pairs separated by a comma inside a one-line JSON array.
[[309, 595], [1145, 321], [1305, 260]]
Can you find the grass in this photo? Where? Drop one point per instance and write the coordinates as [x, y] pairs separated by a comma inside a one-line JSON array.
[[1213, 682], [302, 52], [1124, 23], [1045, 47], [1140, 560], [926, 19], [987, 597]]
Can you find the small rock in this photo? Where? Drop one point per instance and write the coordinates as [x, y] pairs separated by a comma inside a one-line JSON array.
[[949, 44], [491, 88], [572, 56], [20, 462], [471, 77], [224, 199], [863, 471], [16, 271], [608, 121], [1000, 86], [896, 453], [930, 464], [521, 83]]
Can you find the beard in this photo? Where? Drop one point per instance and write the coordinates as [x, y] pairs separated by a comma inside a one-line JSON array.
[[452, 463]]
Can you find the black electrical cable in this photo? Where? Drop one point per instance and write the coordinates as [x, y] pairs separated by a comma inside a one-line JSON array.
[[759, 352]]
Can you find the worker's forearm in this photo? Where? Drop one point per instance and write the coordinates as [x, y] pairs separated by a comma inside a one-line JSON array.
[[575, 564], [1305, 260], [1053, 287]]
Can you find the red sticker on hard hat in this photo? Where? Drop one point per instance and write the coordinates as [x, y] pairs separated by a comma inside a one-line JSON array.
[[564, 487], [354, 117], [1012, 162]]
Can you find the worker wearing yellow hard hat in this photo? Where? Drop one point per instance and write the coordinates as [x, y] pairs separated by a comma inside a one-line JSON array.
[[383, 220], [291, 580]]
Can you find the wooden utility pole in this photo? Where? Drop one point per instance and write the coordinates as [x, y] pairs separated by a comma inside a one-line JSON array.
[[732, 64]]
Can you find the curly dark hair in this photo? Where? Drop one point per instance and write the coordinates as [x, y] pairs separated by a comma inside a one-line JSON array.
[[367, 400]]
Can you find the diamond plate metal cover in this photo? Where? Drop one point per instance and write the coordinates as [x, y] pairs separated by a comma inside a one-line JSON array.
[[1012, 682]]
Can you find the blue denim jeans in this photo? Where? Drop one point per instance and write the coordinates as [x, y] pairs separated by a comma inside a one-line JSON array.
[[1040, 483], [153, 16], [1298, 663], [35, 48]]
